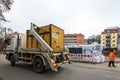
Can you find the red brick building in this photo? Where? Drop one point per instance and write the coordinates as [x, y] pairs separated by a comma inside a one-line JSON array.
[[74, 39]]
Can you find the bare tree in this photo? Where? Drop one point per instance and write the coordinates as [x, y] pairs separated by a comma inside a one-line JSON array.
[[4, 6]]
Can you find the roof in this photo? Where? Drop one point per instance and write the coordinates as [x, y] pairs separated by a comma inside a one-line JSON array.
[[111, 30], [74, 34]]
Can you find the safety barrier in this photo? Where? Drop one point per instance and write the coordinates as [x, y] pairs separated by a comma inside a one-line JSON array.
[[81, 57]]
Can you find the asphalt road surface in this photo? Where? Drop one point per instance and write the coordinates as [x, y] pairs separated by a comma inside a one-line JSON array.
[[74, 71]]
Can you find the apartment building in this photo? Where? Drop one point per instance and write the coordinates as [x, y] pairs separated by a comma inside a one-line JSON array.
[[74, 39], [110, 38]]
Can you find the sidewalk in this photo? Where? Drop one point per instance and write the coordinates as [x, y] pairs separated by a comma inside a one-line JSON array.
[[101, 66]]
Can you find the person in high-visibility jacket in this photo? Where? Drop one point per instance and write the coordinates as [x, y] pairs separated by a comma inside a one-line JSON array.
[[112, 58]]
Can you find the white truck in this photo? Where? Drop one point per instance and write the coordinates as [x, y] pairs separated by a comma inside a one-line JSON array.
[[48, 53]]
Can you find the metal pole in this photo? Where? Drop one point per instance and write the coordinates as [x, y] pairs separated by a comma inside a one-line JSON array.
[[5, 40]]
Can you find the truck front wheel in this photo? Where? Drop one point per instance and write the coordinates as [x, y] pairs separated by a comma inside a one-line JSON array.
[[38, 65], [12, 60]]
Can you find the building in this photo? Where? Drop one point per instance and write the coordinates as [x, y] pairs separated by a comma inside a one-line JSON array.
[[93, 38], [74, 39], [110, 38]]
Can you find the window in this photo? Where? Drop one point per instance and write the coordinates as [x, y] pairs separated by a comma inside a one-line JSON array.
[[118, 35], [107, 45], [108, 31], [113, 45], [113, 40], [8, 41], [113, 36]]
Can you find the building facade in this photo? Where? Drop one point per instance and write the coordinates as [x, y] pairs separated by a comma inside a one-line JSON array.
[[93, 38], [110, 38], [74, 39]]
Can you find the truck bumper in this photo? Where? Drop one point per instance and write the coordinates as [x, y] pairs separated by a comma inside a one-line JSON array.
[[57, 65]]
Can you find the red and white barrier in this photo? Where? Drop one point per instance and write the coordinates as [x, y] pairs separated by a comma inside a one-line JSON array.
[[87, 58], [81, 57]]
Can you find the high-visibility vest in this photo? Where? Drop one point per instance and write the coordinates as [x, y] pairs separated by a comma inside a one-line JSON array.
[[112, 56]]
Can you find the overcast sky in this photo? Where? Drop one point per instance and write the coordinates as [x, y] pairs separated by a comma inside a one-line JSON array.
[[89, 17]]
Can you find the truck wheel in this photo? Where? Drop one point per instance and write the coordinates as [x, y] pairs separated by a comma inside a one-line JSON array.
[[38, 66], [12, 60]]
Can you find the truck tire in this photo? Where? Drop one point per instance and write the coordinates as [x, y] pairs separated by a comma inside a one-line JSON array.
[[12, 60], [38, 65]]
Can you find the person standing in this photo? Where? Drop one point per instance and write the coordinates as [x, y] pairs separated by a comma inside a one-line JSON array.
[[112, 58]]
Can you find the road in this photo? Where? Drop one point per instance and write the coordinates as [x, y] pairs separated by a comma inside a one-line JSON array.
[[74, 71]]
